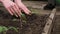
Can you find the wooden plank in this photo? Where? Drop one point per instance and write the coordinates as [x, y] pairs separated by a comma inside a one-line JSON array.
[[35, 4], [48, 26]]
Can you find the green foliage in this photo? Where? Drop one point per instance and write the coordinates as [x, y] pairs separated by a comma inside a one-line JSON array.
[[23, 16], [16, 29], [58, 2], [4, 29]]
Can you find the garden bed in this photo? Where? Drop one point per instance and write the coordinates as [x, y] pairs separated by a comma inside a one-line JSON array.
[[34, 23]]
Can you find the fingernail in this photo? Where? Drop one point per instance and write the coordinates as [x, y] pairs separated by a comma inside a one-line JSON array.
[[16, 15], [30, 13]]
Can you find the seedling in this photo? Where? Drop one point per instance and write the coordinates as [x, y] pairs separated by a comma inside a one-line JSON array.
[[23, 17], [5, 29]]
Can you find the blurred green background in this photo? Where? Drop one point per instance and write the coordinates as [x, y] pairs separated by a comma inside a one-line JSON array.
[[58, 2]]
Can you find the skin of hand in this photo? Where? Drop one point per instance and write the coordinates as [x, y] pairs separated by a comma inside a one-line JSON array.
[[22, 7], [11, 7]]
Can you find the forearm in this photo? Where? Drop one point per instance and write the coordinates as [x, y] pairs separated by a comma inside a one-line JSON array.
[[1, 1]]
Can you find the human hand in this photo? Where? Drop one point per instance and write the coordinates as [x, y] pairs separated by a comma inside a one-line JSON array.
[[22, 6], [11, 7]]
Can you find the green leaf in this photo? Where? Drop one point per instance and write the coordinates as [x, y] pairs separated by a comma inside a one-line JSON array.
[[23, 16], [14, 28], [1, 29], [5, 28]]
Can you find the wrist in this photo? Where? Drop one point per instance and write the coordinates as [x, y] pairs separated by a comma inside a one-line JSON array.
[[17, 0], [3, 0]]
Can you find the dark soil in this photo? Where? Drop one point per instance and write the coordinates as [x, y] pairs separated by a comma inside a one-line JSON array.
[[34, 23], [56, 27]]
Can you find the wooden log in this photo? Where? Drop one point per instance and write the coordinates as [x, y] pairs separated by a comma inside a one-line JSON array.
[[48, 26]]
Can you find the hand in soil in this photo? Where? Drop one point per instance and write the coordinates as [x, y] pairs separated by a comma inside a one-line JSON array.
[[11, 7], [22, 7]]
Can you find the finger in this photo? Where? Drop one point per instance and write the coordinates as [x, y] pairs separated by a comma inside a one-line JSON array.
[[16, 10], [19, 10], [13, 12], [24, 8], [9, 11]]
